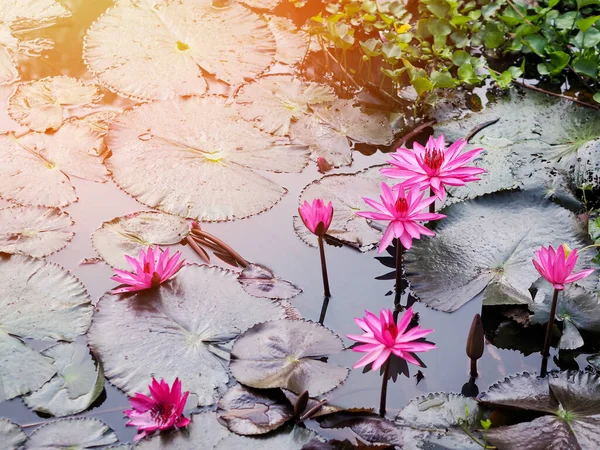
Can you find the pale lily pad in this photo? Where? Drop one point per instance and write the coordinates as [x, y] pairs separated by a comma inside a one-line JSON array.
[[195, 158], [11, 435], [34, 230], [203, 432], [287, 354], [345, 191], [571, 400], [289, 438], [38, 300], [17, 17], [40, 105], [262, 4], [439, 410], [292, 43], [259, 281], [181, 329], [75, 433], [577, 309], [486, 245], [76, 385], [275, 101], [127, 235], [187, 39]]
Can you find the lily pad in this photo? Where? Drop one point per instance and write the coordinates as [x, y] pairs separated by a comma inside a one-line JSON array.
[[77, 384], [577, 309], [486, 245], [262, 4], [288, 438], [11, 435], [127, 235], [74, 433], [188, 39], [287, 354], [202, 157], [181, 329], [274, 102], [292, 43], [203, 432], [40, 105], [259, 281], [345, 191], [571, 401], [38, 300], [17, 15], [34, 230]]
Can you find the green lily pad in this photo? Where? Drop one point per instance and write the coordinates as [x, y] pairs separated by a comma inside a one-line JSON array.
[[127, 235], [345, 191], [188, 40], [181, 329], [77, 384], [287, 354], [34, 230], [202, 157], [40, 105], [11, 435], [289, 438], [74, 433], [259, 281], [486, 246], [38, 300]]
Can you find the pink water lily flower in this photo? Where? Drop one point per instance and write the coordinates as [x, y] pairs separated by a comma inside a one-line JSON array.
[[434, 166], [151, 268], [556, 266], [315, 213], [162, 410], [383, 337], [403, 208]]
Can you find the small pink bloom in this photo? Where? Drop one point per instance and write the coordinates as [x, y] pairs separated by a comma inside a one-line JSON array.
[[403, 209], [152, 268], [433, 166], [323, 165], [316, 213], [383, 337], [162, 410], [556, 267]]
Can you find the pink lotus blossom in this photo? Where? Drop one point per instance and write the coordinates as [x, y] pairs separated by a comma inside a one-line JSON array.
[[433, 166], [152, 268], [383, 337], [556, 266], [316, 213], [403, 209], [161, 411]]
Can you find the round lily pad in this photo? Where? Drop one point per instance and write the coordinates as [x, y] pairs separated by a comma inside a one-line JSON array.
[[203, 159], [188, 39], [486, 245], [11, 435], [287, 354], [127, 235], [292, 43], [74, 433], [289, 438], [77, 384], [181, 329], [40, 104], [34, 230], [259, 281]]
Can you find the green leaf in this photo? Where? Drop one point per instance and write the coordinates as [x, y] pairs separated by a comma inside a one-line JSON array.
[[439, 8], [582, 3], [443, 80], [536, 42], [488, 10], [597, 97], [421, 85], [586, 24], [371, 47], [493, 39], [459, 38], [466, 73], [589, 39], [440, 27], [460, 57], [566, 21], [586, 67], [559, 61]]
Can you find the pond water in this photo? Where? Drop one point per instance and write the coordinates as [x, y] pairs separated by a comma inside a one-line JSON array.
[[268, 239]]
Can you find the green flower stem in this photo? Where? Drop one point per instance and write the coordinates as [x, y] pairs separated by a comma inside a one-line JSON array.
[[324, 268], [384, 383]]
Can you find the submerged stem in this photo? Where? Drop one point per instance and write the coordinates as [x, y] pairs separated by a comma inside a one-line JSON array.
[[324, 310], [546, 350], [384, 383], [324, 268]]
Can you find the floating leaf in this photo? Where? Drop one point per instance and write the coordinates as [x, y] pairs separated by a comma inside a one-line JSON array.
[[17, 16], [74, 433], [572, 400], [187, 39], [11, 434], [127, 235], [288, 438], [76, 385], [259, 281], [39, 105], [438, 410], [486, 245], [181, 329], [34, 230], [262, 4], [38, 300], [345, 191], [369, 427], [203, 432], [292, 44], [287, 354], [194, 158], [275, 101]]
